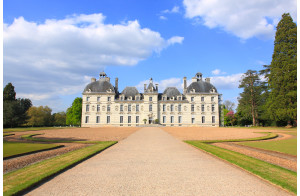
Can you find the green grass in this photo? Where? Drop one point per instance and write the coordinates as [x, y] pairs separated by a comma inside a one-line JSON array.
[[15, 148], [288, 146], [268, 128], [31, 138], [32, 129], [7, 134], [19, 180], [285, 178]]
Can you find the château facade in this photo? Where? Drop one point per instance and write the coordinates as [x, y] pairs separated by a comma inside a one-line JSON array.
[[103, 105]]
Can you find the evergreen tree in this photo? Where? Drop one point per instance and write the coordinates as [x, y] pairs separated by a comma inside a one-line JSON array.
[[9, 93], [250, 98], [74, 112], [282, 101]]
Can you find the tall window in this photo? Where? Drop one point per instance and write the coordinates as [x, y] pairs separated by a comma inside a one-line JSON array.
[[108, 119], [129, 108], [212, 98], [87, 108], [213, 119], [121, 119], [193, 120], [212, 108], [172, 119], [121, 108], [137, 119], [108, 108], [179, 98], [108, 98], [98, 99], [203, 119], [202, 107], [122, 98], [87, 119], [192, 108], [202, 98], [98, 108], [150, 98], [164, 108], [129, 119], [164, 119], [87, 98], [179, 107], [172, 107], [137, 107], [192, 98], [98, 119], [150, 108], [179, 119]]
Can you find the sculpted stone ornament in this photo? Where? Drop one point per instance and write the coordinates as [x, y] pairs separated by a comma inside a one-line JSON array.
[[93, 108]]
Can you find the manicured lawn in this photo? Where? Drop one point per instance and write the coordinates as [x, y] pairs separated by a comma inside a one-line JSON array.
[[285, 178], [288, 146], [19, 180], [269, 128], [16, 148], [32, 129]]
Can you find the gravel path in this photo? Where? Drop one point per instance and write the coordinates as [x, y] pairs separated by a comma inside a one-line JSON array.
[[152, 162]]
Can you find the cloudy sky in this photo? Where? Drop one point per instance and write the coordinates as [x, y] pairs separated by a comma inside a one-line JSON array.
[[53, 48]]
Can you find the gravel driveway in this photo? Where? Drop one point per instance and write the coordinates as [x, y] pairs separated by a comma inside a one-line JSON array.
[[152, 162]]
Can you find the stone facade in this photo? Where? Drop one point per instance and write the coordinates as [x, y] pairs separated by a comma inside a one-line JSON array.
[[103, 105]]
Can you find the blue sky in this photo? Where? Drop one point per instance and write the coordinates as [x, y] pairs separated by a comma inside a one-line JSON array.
[[53, 48]]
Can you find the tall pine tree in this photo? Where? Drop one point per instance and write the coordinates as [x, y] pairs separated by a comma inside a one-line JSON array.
[[282, 101]]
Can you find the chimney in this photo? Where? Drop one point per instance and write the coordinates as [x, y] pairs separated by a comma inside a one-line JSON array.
[[156, 87], [145, 87], [107, 79], [93, 79], [194, 79], [184, 85], [207, 80], [116, 85]]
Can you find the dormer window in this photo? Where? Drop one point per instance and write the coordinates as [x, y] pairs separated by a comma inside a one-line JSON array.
[[108, 98], [179, 98], [87, 98], [121, 98]]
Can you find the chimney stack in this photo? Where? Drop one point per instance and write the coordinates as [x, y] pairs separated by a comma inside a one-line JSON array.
[[156, 87], [207, 80], [93, 79], [116, 85], [184, 85]]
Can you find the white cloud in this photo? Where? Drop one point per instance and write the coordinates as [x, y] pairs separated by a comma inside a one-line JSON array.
[[227, 82], [163, 18], [217, 72], [244, 19], [175, 9], [54, 58]]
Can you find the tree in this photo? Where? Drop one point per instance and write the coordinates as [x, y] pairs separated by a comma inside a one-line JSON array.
[[231, 117], [229, 105], [226, 119], [73, 116], [59, 119], [250, 98], [39, 116], [282, 79], [9, 93]]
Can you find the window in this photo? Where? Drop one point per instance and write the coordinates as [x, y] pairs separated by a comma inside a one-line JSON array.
[[87, 98], [87, 108], [150, 108], [150, 98], [202, 98], [98, 108], [192, 98], [193, 120], [108, 119], [213, 119], [137, 98], [137, 119], [172, 107], [108, 98], [129, 108], [172, 119], [121, 108], [137, 107], [179, 107], [212, 108], [164, 108], [164, 119], [202, 107], [203, 119], [164, 98], [121, 119], [192, 108], [98, 99], [212, 98], [98, 119], [179, 98], [179, 119], [122, 98], [108, 108], [129, 119], [87, 119]]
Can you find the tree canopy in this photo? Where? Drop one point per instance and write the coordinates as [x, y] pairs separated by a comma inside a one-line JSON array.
[[39, 116], [74, 112]]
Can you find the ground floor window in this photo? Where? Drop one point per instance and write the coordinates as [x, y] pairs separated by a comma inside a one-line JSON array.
[[121, 119], [129, 119], [179, 119], [203, 119], [213, 120], [87, 119], [172, 119], [193, 120], [108, 119], [137, 119], [98, 119], [164, 119]]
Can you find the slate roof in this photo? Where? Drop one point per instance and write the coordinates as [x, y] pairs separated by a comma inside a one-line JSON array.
[[130, 91], [100, 86], [150, 86], [201, 87], [171, 92]]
